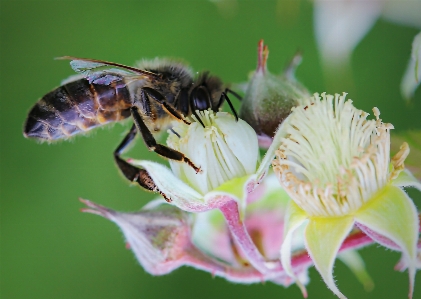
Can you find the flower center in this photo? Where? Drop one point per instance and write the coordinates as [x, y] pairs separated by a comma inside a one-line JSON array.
[[224, 149], [334, 159]]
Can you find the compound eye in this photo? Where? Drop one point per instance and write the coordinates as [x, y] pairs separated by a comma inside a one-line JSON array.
[[200, 99]]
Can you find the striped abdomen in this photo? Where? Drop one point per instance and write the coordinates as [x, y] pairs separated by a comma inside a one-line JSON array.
[[77, 107]]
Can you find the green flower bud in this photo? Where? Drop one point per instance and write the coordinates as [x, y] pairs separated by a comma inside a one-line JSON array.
[[269, 98]]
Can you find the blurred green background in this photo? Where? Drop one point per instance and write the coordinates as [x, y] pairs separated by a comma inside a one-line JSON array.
[[51, 250]]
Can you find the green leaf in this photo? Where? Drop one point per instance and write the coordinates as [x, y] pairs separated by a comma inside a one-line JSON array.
[[324, 237]]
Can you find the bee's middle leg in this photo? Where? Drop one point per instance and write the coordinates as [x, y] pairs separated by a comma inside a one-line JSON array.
[[151, 143], [129, 171], [132, 173]]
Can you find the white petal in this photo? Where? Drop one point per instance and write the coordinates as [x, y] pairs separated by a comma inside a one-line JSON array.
[[195, 146], [341, 24], [224, 149], [403, 12], [412, 77], [241, 139]]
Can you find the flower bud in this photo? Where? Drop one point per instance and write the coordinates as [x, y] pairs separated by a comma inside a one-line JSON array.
[[269, 98], [158, 236]]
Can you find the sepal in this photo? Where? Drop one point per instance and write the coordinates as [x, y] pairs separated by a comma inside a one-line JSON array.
[[324, 236], [158, 236], [407, 179], [393, 203], [353, 260]]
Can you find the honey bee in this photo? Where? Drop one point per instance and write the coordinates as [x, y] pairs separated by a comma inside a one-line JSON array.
[[152, 94]]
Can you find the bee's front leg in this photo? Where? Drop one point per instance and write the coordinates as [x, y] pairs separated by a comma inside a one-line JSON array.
[[160, 99], [151, 143]]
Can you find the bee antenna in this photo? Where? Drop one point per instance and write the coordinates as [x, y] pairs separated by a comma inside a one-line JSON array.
[[224, 94]]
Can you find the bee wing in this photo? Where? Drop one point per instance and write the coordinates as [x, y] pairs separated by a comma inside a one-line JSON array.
[[72, 78], [104, 72]]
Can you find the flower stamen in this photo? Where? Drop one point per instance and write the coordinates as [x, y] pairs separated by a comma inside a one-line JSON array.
[[334, 159]]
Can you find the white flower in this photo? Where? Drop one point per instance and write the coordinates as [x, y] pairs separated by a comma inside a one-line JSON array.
[[335, 165], [227, 152], [412, 77], [224, 149], [334, 157], [341, 24]]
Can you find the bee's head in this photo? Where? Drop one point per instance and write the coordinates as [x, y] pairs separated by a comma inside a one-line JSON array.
[[206, 93]]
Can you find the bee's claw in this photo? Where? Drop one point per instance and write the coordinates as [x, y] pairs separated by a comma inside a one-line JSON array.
[[167, 199]]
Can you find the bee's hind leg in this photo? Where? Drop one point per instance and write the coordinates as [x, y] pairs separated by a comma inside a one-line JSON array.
[[151, 143], [132, 173]]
